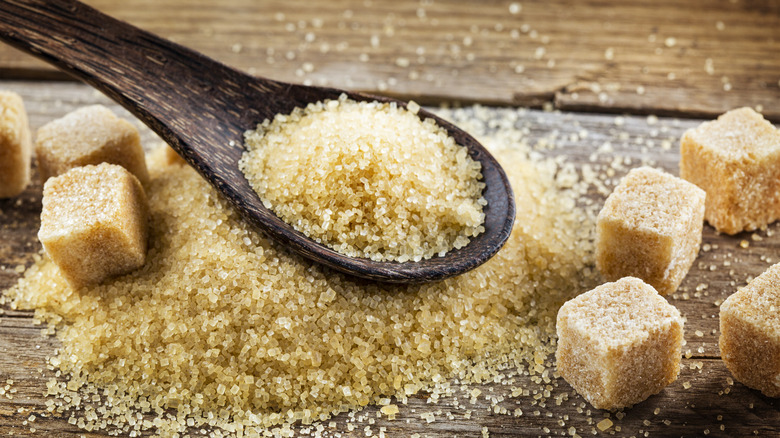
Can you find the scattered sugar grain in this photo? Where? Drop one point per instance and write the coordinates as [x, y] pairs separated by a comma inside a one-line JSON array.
[[390, 411], [604, 424]]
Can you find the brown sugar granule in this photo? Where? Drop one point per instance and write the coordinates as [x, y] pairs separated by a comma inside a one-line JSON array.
[[650, 228], [15, 145], [367, 179], [90, 135], [750, 333], [736, 160], [604, 424], [94, 223], [619, 343], [223, 329]]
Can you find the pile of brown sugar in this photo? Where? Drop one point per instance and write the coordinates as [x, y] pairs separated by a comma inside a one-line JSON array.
[[223, 329], [367, 179]]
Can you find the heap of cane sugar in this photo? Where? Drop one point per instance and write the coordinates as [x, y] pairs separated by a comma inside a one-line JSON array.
[[367, 179], [222, 330]]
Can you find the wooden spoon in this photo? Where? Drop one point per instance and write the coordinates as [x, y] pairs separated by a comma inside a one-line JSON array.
[[202, 108]]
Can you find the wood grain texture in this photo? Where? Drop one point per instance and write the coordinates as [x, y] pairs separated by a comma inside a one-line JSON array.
[[601, 141], [202, 108], [697, 57]]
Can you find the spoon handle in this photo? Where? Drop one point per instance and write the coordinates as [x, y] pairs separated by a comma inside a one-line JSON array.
[[202, 107], [168, 86]]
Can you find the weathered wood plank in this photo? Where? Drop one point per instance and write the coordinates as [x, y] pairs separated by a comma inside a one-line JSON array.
[[609, 144], [665, 57]]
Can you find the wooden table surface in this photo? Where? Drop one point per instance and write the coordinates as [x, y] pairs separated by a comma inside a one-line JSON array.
[[591, 60]]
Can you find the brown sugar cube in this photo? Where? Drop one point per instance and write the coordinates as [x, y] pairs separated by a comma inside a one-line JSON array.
[[650, 228], [163, 156], [750, 333], [736, 160], [172, 157], [15, 145], [94, 223], [90, 135], [619, 343]]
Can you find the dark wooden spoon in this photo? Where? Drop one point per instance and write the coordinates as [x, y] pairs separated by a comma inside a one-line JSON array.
[[202, 108]]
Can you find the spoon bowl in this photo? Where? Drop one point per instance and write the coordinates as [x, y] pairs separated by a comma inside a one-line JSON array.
[[202, 108]]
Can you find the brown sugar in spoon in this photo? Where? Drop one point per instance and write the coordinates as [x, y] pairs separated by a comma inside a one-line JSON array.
[[202, 108]]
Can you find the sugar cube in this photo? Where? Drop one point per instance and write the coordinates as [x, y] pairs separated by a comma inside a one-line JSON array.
[[172, 157], [619, 343], [736, 160], [94, 223], [750, 333], [650, 228], [90, 135], [15, 145]]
